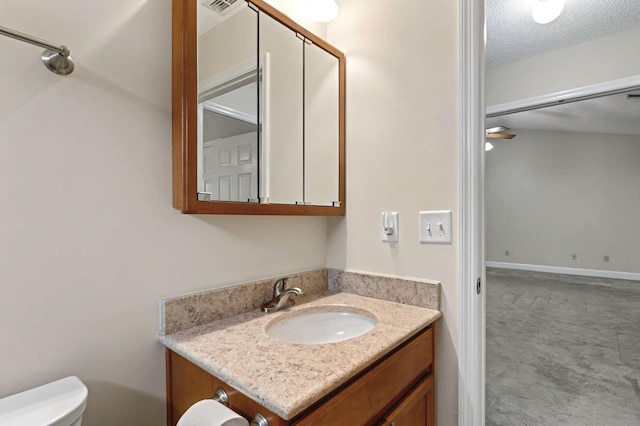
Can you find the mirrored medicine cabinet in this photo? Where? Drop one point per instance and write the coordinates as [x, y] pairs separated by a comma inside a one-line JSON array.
[[258, 113]]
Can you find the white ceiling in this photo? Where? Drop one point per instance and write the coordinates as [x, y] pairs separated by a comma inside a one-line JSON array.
[[614, 114], [512, 35], [208, 19]]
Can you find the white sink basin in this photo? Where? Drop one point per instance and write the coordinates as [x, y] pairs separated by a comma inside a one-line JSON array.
[[315, 326]]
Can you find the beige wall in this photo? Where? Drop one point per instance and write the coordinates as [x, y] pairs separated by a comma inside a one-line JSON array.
[[402, 91], [552, 194], [592, 62], [90, 242]]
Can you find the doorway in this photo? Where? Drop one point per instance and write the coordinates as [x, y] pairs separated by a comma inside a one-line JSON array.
[[589, 70], [563, 324]]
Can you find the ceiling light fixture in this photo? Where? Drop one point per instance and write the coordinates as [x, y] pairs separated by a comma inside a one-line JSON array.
[[322, 10], [545, 11]]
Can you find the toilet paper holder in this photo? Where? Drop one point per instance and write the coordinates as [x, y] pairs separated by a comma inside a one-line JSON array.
[[222, 397]]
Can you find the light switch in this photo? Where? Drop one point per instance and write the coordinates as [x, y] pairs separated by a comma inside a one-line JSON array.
[[390, 227], [435, 227]]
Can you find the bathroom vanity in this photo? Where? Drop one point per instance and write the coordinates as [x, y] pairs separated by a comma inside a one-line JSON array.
[[384, 376]]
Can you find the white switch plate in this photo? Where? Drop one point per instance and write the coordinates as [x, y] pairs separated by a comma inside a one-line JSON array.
[[389, 222], [435, 227]]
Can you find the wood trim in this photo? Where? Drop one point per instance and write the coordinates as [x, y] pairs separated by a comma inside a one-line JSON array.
[[178, 125], [225, 207], [167, 357], [500, 136], [294, 26], [184, 120]]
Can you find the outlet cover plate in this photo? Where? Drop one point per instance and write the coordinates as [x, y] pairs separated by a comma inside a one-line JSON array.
[[435, 227], [390, 220]]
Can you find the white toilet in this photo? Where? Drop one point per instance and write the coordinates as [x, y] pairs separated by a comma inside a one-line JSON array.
[[60, 403]]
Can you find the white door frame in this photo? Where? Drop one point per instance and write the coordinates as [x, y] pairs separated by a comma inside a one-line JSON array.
[[230, 78], [471, 305]]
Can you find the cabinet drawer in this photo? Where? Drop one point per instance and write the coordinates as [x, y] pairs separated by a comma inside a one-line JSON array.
[[369, 397], [416, 409]]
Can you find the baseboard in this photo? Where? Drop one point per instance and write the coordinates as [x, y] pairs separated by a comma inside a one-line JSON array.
[[633, 276]]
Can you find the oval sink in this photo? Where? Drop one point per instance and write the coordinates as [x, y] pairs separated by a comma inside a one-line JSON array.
[[314, 326]]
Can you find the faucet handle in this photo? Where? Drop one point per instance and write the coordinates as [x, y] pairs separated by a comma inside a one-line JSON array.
[[281, 285]]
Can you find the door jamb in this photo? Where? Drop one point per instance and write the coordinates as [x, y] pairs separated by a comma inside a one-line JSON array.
[[471, 306]]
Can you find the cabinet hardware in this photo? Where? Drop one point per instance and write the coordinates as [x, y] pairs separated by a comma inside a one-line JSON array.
[[221, 397], [259, 420]]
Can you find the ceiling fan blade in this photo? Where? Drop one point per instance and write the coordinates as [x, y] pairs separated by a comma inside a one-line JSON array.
[[500, 136]]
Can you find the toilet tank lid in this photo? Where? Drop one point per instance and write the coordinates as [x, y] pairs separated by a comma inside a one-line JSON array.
[[57, 403]]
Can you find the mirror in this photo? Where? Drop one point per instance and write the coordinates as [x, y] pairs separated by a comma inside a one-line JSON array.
[[322, 127], [258, 112], [282, 123], [228, 136]]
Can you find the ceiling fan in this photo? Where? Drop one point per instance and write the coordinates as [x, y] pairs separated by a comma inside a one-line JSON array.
[[499, 132]]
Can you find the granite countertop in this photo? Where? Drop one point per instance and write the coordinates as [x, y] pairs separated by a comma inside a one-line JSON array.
[[287, 378]]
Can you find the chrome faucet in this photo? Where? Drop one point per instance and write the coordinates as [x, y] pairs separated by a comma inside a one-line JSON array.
[[282, 296]]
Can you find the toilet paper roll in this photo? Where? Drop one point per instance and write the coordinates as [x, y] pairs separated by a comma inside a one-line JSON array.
[[211, 413]]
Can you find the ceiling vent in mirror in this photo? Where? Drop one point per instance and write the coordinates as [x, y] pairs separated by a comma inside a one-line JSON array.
[[223, 7]]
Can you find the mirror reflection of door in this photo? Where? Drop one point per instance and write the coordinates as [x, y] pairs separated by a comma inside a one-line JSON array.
[[230, 154], [228, 163]]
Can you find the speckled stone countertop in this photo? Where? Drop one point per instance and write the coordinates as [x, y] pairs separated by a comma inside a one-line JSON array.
[[287, 378]]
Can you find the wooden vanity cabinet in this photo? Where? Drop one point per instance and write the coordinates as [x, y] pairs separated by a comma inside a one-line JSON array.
[[397, 390], [416, 408]]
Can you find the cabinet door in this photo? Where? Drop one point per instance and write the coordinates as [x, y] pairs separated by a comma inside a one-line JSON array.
[[365, 400], [282, 121], [416, 409]]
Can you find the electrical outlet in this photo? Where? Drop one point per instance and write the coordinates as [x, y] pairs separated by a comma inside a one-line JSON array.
[[506, 253], [574, 257], [606, 258]]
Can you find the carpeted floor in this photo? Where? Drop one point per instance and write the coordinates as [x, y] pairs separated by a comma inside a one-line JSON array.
[[562, 350]]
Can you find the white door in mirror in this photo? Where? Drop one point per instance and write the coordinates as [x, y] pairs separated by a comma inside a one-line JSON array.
[[435, 227]]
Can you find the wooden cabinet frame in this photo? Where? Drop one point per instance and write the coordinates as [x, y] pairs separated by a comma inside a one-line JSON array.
[[185, 116]]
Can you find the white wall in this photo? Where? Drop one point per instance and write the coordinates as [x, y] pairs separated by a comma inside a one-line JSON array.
[[90, 242], [596, 61], [402, 90], [552, 194]]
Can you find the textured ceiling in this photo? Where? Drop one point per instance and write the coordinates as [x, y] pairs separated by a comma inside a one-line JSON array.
[[614, 114], [512, 35]]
